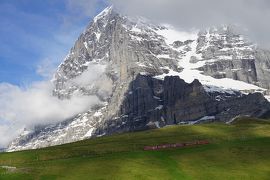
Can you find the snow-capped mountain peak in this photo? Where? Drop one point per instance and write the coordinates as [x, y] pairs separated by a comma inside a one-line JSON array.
[[104, 13], [126, 62]]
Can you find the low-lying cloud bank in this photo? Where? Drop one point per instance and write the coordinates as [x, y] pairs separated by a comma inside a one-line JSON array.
[[26, 107]]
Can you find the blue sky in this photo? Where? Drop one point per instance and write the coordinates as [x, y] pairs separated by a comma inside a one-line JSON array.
[[35, 35]]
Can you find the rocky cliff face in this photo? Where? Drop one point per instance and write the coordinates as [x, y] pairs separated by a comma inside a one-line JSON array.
[[233, 57], [127, 63], [153, 103]]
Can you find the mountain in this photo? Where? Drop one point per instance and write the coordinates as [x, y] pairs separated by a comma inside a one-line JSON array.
[[149, 76]]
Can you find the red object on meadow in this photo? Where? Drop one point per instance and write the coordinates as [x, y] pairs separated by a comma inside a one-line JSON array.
[[177, 145]]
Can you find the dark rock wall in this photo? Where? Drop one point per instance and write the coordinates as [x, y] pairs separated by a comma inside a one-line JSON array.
[[155, 103]]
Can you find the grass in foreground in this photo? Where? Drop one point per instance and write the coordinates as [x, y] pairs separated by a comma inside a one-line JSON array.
[[238, 151]]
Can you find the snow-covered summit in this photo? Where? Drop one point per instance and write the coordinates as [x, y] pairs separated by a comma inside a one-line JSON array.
[[115, 49], [103, 13]]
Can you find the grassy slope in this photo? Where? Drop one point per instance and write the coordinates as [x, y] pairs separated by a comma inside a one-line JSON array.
[[238, 151]]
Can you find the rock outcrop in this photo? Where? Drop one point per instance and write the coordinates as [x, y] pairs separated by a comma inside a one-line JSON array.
[[153, 103], [132, 65], [233, 57]]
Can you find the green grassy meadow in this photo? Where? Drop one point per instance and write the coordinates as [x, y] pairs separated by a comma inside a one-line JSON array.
[[237, 151]]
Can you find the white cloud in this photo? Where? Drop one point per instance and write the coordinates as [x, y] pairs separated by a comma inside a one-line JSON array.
[[35, 105], [7, 133], [250, 14], [93, 72], [46, 68]]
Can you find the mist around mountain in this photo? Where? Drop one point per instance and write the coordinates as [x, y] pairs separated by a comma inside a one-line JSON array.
[[117, 78]]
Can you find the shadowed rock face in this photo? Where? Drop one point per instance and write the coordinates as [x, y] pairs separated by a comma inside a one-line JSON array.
[[153, 103], [124, 48], [242, 70]]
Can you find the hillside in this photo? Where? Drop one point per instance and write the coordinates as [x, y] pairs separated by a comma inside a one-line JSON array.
[[236, 151]]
